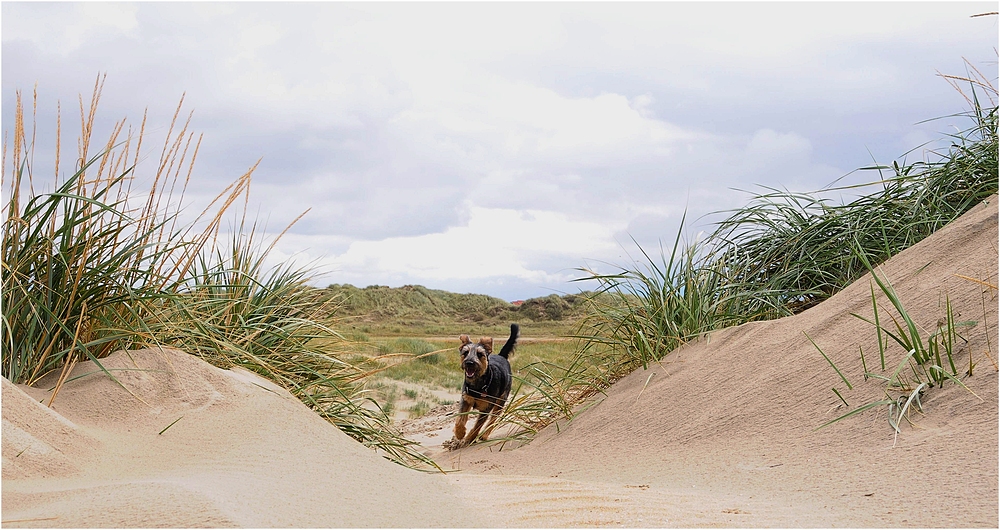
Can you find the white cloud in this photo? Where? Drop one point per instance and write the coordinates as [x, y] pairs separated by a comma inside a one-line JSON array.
[[494, 242], [416, 132], [63, 28], [499, 122], [771, 148]]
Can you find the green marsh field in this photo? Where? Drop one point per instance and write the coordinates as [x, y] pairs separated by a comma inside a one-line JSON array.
[[408, 338]]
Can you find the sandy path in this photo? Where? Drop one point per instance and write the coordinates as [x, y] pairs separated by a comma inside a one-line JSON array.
[[533, 502]]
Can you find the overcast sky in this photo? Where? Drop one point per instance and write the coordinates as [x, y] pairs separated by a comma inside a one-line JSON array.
[[497, 148]]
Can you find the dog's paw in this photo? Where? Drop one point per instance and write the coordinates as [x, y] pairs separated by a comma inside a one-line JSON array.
[[452, 444]]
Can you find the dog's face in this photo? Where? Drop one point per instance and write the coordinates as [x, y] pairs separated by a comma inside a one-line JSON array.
[[475, 356]]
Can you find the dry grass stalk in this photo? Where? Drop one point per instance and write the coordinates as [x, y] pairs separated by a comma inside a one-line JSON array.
[[87, 271]]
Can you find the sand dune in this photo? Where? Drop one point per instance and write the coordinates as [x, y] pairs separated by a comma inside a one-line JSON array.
[[244, 453], [720, 433], [733, 416]]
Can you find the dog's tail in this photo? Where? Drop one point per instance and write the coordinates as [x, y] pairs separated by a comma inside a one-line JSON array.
[[508, 346]]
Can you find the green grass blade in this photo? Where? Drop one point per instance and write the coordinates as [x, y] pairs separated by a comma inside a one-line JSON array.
[[846, 382], [878, 328], [841, 397], [858, 410], [906, 406], [169, 426]]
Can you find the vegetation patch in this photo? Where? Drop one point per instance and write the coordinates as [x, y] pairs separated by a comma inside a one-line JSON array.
[[779, 255], [926, 361], [414, 310], [97, 265]]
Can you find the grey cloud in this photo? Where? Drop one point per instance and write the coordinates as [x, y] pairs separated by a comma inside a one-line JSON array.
[[387, 119]]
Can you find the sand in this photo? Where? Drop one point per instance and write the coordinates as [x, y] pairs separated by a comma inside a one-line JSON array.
[[243, 453], [723, 432]]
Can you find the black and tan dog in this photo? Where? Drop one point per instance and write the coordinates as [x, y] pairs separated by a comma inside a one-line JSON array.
[[487, 385]]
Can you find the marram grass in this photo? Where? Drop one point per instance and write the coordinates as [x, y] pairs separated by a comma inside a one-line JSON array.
[[785, 252], [921, 366], [98, 265], [782, 253]]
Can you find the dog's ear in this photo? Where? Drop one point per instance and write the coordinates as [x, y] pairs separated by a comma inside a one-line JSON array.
[[465, 339], [487, 343]]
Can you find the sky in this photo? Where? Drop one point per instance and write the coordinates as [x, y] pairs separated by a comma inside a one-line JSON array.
[[502, 148]]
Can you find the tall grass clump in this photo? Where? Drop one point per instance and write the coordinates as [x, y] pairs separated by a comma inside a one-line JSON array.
[[84, 266], [785, 252], [790, 251], [97, 266], [653, 307]]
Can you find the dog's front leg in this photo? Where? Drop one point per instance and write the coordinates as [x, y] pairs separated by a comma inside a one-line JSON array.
[[491, 422], [462, 418], [476, 429]]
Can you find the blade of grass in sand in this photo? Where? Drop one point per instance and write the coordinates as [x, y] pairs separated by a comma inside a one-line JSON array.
[[846, 382], [858, 410], [169, 426]]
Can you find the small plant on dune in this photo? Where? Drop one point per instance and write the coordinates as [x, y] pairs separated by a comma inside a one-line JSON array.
[[923, 363], [418, 410], [96, 266]]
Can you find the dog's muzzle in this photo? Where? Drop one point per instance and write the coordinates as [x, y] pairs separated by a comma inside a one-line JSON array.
[[470, 368]]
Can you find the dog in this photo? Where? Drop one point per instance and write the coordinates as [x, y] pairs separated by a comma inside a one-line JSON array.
[[486, 387]]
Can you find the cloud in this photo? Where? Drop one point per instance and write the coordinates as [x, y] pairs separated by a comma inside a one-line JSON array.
[[416, 132], [494, 242], [769, 149], [64, 28]]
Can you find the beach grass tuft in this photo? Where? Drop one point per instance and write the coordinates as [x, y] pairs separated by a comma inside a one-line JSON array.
[[781, 254], [921, 366], [104, 262]]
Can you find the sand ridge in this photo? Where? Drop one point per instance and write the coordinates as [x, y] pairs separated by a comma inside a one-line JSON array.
[[722, 432], [242, 453], [734, 414]]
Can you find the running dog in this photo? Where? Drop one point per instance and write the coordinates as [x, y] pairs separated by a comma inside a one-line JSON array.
[[487, 385]]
